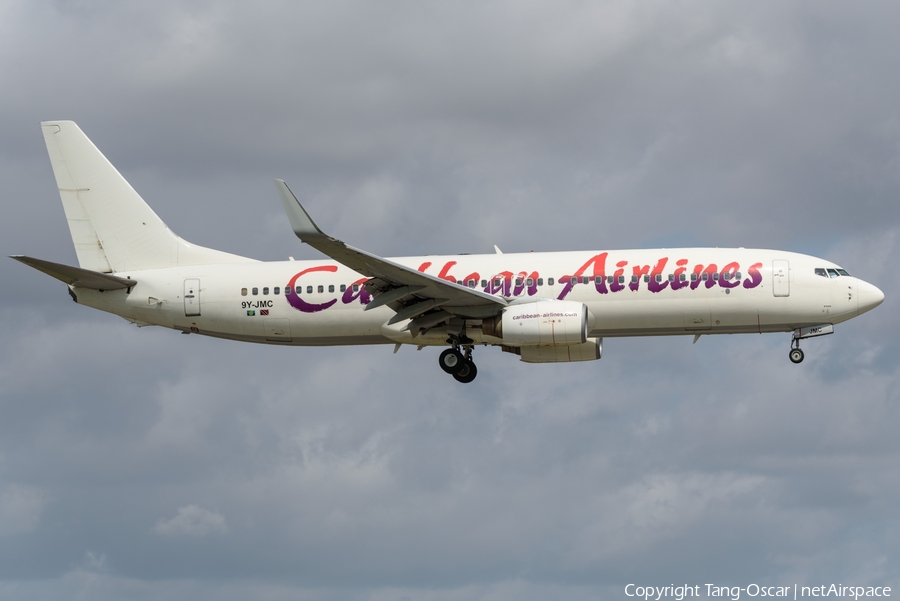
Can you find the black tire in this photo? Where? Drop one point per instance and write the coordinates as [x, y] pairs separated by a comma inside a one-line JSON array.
[[451, 361], [467, 373], [796, 355]]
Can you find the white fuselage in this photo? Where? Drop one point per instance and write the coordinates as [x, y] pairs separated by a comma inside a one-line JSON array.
[[628, 293]]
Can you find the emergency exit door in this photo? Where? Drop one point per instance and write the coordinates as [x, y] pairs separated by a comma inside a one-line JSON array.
[[191, 297], [781, 278]]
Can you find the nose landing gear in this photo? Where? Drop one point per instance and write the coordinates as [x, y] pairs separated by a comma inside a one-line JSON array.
[[796, 355], [459, 364]]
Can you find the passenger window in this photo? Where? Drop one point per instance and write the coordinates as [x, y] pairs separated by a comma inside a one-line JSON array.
[[321, 288], [518, 282], [646, 278], [255, 291], [737, 276], [459, 282], [573, 280], [671, 277], [682, 277], [343, 287], [484, 283], [472, 283], [833, 273], [693, 277], [634, 279], [550, 281], [530, 282], [540, 281], [658, 278], [821, 272], [716, 276], [330, 287], [355, 287], [585, 279], [609, 279], [277, 291], [705, 276], [309, 289], [621, 279], [265, 291], [497, 283], [598, 279], [243, 292]]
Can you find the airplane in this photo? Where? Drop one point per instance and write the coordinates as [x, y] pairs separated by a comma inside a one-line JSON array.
[[545, 307]]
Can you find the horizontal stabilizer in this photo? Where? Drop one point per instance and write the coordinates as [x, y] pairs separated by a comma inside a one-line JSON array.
[[75, 276]]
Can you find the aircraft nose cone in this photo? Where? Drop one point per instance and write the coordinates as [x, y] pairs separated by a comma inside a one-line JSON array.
[[869, 297]]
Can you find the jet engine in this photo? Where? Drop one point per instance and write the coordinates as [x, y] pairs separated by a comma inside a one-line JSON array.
[[540, 323]]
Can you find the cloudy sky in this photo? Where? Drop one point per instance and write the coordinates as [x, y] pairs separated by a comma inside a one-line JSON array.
[[142, 464]]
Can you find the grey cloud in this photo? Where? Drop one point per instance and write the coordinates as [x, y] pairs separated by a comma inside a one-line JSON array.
[[192, 520], [20, 508]]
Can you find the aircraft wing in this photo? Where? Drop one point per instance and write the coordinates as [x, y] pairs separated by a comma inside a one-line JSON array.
[[409, 292]]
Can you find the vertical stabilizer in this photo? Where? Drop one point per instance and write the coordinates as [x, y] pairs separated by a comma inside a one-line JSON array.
[[112, 227]]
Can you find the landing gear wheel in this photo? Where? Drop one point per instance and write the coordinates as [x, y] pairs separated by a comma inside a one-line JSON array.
[[796, 355], [451, 361], [467, 373]]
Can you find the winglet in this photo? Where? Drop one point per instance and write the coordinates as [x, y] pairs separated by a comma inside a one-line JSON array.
[[301, 222]]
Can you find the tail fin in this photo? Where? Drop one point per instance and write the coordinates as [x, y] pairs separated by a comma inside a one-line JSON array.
[[112, 227]]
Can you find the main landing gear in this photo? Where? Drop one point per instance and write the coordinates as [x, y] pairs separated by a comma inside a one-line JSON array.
[[796, 355], [458, 363]]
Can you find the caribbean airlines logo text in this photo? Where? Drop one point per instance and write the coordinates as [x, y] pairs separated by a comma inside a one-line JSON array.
[[595, 272]]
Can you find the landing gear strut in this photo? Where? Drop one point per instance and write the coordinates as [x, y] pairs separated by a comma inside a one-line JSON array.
[[468, 371], [796, 355], [458, 363]]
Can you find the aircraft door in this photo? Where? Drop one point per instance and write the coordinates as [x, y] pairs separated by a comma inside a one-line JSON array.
[[191, 297], [781, 279]]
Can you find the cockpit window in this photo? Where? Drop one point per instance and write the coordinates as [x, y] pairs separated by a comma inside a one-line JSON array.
[[831, 273]]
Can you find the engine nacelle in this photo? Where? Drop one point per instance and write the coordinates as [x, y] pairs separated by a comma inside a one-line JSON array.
[[541, 323], [588, 351]]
